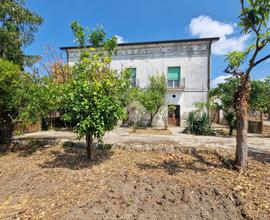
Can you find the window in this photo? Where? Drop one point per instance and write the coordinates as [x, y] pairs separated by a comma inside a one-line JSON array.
[[133, 77], [173, 77]]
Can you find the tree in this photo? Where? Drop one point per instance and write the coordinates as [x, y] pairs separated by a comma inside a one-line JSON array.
[[267, 80], [17, 28], [23, 97], [223, 97], [9, 80], [259, 97], [94, 96], [152, 97], [254, 20]]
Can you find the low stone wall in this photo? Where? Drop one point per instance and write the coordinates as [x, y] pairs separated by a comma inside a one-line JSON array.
[[255, 127]]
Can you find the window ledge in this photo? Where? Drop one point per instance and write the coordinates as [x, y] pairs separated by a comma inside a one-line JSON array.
[[175, 88]]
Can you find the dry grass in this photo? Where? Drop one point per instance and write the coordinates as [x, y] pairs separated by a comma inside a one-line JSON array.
[[150, 131], [47, 183]]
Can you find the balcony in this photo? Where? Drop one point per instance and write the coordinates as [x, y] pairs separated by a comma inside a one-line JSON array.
[[173, 85]]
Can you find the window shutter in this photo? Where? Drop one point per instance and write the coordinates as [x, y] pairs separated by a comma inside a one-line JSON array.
[[173, 73], [133, 72]]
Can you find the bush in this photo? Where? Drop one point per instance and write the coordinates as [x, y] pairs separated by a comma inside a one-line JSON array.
[[231, 120], [198, 123]]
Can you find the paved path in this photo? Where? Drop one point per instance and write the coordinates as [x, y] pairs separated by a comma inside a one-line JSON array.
[[123, 136]]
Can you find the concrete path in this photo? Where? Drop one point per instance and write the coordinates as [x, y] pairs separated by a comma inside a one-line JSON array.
[[123, 136]]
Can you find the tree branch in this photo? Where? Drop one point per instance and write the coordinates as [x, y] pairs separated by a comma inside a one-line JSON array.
[[261, 60], [245, 15]]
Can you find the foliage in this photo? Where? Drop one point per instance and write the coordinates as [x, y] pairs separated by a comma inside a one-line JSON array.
[[224, 94], [259, 98], [198, 123], [231, 120], [153, 97], [23, 97], [17, 28], [224, 98], [94, 96], [10, 74], [96, 38], [253, 20], [55, 67]]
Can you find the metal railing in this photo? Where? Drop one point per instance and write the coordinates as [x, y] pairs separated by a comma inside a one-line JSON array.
[[180, 85]]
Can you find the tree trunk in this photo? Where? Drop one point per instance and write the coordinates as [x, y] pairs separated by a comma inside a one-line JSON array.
[[151, 120], [261, 124], [242, 124], [6, 130], [89, 146], [230, 131], [152, 115]]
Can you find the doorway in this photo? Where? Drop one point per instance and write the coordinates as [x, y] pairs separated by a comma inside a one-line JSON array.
[[174, 115]]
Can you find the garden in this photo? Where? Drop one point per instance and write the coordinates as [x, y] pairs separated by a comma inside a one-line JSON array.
[[108, 163]]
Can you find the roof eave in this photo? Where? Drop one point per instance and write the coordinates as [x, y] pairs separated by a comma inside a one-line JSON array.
[[210, 39]]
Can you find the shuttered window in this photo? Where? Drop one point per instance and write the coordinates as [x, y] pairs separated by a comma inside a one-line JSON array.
[[173, 76], [133, 76]]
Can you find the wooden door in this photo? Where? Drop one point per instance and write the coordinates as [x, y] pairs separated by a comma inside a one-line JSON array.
[[174, 115]]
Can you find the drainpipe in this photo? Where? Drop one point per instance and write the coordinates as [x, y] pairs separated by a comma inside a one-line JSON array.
[[208, 77], [67, 57]]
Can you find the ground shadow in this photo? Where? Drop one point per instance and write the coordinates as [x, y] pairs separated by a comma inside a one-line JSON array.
[[259, 136], [74, 158], [263, 157], [172, 167], [27, 147], [197, 164]]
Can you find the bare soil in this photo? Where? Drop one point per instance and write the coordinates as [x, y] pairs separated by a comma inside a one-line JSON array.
[[44, 182], [150, 131]]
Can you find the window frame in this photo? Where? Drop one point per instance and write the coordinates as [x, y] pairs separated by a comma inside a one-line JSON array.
[[175, 83], [133, 79]]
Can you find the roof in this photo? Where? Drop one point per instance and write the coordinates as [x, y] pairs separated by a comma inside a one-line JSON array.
[[210, 39]]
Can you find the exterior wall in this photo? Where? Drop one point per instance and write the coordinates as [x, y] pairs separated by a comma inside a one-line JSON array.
[[149, 59]]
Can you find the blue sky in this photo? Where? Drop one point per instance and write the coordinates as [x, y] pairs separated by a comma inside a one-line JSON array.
[[145, 20]]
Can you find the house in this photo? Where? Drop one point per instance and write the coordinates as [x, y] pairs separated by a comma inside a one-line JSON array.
[[186, 64]]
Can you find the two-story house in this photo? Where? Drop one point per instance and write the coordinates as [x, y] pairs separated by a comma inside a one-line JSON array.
[[185, 63]]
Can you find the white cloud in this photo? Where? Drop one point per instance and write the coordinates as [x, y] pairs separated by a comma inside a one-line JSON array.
[[205, 26], [218, 80], [120, 39]]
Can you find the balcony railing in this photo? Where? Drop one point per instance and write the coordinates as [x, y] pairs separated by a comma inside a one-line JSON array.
[[176, 84]]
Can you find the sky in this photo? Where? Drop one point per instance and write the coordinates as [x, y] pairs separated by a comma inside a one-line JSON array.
[[146, 20]]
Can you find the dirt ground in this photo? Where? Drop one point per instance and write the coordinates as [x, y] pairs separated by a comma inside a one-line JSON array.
[[44, 182], [170, 138]]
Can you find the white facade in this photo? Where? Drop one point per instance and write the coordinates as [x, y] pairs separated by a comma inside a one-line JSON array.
[[192, 56]]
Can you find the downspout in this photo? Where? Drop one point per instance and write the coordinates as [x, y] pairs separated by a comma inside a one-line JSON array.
[[67, 57], [208, 78]]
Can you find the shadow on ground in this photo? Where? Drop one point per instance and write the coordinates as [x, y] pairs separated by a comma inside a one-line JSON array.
[[74, 158], [198, 163], [202, 159], [263, 157], [29, 146]]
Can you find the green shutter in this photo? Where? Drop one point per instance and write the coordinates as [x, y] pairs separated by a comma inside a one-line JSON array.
[[173, 73], [133, 72]]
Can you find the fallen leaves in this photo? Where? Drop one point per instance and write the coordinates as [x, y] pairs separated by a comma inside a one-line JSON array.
[[53, 180]]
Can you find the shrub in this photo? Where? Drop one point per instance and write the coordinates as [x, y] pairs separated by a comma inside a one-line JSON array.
[[198, 123], [231, 120]]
